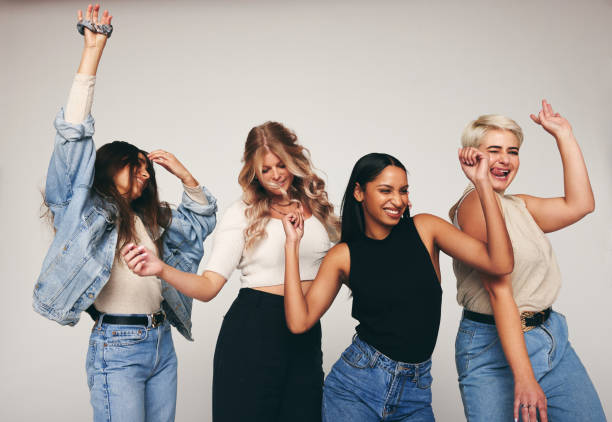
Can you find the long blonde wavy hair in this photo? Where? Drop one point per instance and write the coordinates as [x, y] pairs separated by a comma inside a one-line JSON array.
[[307, 188]]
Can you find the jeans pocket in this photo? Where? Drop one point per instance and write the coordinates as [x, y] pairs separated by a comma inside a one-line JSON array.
[[425, 380], [355, 357], [125, 336]]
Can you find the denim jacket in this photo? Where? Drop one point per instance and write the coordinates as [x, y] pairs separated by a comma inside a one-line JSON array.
[[78, 263]]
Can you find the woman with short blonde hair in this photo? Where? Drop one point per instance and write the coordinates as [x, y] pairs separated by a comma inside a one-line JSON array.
[[512, 352]]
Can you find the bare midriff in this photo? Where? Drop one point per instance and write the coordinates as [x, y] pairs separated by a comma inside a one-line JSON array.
[[279, 289]]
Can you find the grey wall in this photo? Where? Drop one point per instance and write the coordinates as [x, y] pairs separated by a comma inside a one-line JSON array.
[[349, 78]]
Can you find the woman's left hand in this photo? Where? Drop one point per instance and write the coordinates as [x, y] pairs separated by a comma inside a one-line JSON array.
[[168, 161], [552, 122]]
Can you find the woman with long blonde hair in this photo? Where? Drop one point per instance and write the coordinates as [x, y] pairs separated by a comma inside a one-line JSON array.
[[261, 370]]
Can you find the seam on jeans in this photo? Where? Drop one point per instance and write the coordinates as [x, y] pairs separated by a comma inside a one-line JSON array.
[[483, 350], [552, 345], [388, 397]]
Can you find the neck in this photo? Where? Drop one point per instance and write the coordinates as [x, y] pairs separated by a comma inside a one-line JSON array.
[[375, 230]]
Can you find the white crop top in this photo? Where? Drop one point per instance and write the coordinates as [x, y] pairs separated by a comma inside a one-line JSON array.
[[264, 263]]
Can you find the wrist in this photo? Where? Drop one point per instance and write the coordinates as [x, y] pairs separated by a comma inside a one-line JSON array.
[[163, 271], [292, 245], [189, 180]]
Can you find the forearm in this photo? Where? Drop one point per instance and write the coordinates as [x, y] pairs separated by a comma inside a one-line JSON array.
[[90, 59], [193, 285], [296, 308], [577, 186], [508, 323], [499, 248]]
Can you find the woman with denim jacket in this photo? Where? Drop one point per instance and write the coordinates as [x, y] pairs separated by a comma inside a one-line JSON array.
[[262, 371], [512, 351], [99, 201], [389, 260]]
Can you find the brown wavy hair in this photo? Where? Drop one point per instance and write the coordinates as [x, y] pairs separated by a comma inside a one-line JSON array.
[[307, 188]]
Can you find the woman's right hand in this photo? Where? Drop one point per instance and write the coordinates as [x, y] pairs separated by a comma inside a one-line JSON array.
[[141, 261], [293, 223], [475, 164], [529, 399], [93, 40]]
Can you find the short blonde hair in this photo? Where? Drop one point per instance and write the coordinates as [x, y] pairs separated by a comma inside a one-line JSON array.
[[477, 129]]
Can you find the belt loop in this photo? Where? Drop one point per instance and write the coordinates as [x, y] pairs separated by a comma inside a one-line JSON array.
[[374, 358], [99, 322], [149, 321]]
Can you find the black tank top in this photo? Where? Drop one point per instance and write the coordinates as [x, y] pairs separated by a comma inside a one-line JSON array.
[[397, 297]]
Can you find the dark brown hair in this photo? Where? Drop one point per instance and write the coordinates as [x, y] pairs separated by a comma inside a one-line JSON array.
[[111, 158]]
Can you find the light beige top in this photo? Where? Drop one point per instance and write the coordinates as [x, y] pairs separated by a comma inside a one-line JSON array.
[[536, 279], [264, 263]]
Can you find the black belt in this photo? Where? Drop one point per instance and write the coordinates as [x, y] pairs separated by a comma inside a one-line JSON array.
[[528, 319], [157, 318]]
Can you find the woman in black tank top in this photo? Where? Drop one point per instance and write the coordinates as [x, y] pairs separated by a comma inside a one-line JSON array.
[[390, 262]]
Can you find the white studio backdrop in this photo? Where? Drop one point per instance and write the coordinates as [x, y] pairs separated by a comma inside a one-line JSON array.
[[350, 78]]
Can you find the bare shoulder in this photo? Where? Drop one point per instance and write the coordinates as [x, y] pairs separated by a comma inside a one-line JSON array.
[[470, 205], [338, 259], [428, 225]]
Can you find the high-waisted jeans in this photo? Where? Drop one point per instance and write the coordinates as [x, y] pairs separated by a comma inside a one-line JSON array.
[[131, 373], [487, 384], [263, 372], [365, 385]]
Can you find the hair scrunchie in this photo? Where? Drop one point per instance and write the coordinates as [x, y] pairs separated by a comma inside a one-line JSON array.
[[98, 29]]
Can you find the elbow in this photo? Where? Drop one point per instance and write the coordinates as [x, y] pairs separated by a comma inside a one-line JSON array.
[[504, 268], [296, 328]]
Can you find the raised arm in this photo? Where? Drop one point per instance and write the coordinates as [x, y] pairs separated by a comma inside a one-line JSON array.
[[143, 262], [556, 213], [493, 257], [72, 163], [94, 42], [303, 311]]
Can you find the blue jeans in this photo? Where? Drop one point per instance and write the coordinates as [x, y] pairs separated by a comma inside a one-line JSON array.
[[365, 385], [131, 373], [487, 384]]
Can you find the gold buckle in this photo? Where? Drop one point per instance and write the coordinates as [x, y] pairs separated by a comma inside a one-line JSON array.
[[158, 318]]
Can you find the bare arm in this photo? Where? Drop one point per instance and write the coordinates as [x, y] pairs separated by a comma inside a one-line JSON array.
[[507, 319], [203, 287], [94, 43], [556, 213], [303, 311], [493, 257]]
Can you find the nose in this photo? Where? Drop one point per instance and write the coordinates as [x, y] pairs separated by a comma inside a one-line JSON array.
[[144, 174], [503, 158], [396, 200], [275, 173]]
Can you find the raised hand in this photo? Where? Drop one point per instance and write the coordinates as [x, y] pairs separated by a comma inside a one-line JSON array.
[[475, 164], [141, 260], [293, 223], [92, 39], [552, 122], [173, 165]]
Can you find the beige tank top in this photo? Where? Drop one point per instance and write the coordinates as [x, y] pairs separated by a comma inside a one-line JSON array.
[[126, 292], [536, 279]]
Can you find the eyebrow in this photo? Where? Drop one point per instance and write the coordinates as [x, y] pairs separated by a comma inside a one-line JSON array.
[[389, 186], [499, 147]]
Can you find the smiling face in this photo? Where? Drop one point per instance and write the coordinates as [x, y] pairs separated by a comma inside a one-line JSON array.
[[139, 179], [384, 201], [503, 149], [275, 177]]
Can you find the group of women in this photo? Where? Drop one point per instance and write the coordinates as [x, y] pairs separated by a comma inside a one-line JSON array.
[[129, 261]]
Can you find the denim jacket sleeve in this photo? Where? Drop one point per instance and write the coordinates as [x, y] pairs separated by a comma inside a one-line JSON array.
[[191, 224], [72, 164], [183, 249]]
